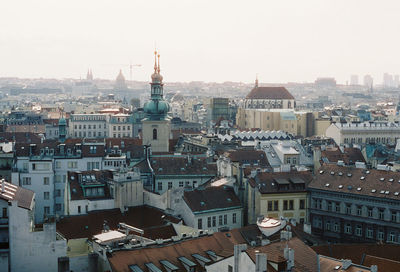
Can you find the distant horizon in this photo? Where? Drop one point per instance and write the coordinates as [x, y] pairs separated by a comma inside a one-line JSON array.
[[209, 41]]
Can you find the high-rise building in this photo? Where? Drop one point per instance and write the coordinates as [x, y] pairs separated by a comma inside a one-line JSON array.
[[219, 108], [368, 81], [156, 127], [388, 80], [354, 80]]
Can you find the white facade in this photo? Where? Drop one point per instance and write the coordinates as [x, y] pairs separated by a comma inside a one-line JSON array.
[[83, 206], [362, 133], [88, 126], [32, 250], [212, 220]]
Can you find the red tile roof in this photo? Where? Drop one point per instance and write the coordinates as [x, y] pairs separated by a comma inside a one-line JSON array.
[[269, 93], [218, 242]]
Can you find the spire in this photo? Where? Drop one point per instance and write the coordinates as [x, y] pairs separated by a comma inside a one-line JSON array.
[[155, 61], [256, 83], [158, 69]]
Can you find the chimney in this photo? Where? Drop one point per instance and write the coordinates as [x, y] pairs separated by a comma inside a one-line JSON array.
[[346, 264], [374, 268], [237, 250], [288, 253], [261, 262]]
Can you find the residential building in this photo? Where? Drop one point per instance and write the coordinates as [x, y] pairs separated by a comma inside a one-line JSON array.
[[355, 205], [364, 133], [165, 172], [276, 195], [24, 247], [43, 167], [87, 191], [214, 209], [89, 126]]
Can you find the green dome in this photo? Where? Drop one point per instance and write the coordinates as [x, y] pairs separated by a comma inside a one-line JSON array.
[[62, 122], [156, 108]]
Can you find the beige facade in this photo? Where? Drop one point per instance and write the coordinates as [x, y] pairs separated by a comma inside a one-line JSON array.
[[320, 126], [362, 133], [296, 123], [156, 133], [288, 205]]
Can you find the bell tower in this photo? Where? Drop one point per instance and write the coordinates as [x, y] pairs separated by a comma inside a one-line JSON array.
[[156, 127]]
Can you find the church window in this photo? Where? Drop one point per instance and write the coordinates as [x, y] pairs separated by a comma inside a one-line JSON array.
[[154, 134]]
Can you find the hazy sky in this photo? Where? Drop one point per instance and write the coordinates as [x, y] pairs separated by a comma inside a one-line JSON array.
[[212, 40]]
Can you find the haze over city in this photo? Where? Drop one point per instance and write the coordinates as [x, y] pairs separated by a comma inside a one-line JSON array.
[[282, 41]]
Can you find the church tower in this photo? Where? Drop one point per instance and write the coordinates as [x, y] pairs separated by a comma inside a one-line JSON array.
[[156, 127], [62, 129]]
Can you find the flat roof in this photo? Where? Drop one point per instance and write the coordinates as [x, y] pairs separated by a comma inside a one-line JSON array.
[[109, 236]]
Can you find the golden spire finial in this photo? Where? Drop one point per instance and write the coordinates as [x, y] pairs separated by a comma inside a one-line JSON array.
[[155, 61], [158, 70]]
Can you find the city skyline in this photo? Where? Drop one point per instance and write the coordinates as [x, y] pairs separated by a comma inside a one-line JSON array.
[[207, 41]]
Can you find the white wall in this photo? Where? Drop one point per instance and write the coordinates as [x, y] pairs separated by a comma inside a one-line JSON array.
[[33, 251], [245, 264]]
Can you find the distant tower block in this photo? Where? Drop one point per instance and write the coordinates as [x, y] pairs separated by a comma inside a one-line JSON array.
[[156, 127]]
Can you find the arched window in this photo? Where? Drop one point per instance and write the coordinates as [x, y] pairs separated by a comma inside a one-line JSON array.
[[154, 134]]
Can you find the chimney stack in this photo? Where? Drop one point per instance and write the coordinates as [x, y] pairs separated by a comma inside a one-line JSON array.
[[261, 262], [237, 250], [288, 253]]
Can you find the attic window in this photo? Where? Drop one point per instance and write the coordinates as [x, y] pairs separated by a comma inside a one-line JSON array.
[[349, 187], [362, 178], [321, 172], [367, 171], [349, 174], [337, 267], [373, 191], [182, 169], [160, 169], [340, 186], [382, 179], [387, 192], [340, 174], [396, 193], [382, 192]]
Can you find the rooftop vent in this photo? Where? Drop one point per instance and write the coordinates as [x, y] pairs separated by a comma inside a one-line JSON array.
[[359, 189], [340, 186], [327, 185], [362, 178], [340, 174], [373, 191], [382, 179]]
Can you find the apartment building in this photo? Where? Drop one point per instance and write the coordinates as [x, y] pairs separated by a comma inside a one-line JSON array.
[[350, 204]]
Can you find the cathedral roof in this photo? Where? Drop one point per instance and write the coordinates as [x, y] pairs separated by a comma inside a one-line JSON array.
[[269, 93]]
